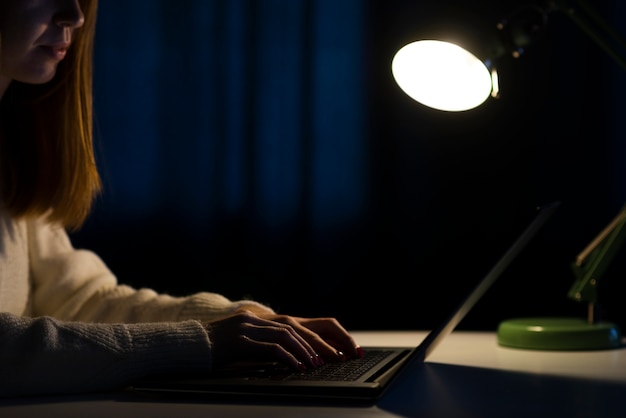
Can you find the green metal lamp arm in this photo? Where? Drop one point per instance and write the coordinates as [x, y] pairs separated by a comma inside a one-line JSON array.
[[593, 261]]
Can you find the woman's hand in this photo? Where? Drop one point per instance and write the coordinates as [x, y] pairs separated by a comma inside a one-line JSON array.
[[299, 343]]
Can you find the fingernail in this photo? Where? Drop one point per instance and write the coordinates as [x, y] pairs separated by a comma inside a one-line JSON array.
[[342, 356], [317, 360], [360, 352], [301, 366]]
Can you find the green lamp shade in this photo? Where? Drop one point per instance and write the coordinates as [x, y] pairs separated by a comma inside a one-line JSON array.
[[558, 334]]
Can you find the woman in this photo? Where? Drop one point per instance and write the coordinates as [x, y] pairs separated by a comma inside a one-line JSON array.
[[66, 324]]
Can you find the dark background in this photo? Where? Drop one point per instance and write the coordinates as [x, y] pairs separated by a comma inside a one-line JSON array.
[[340, 179]]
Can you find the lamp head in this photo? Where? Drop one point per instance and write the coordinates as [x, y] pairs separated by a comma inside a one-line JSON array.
[[445, 76]]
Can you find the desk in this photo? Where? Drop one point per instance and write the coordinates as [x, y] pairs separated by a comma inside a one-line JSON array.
[[468, 375]]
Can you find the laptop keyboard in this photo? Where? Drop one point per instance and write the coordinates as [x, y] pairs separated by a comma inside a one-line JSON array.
[[344, 371]]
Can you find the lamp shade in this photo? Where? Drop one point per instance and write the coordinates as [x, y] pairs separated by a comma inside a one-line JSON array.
[[443, 76]]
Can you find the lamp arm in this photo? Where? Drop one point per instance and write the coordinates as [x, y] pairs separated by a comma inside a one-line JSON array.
[[593, 261], [585, 17]]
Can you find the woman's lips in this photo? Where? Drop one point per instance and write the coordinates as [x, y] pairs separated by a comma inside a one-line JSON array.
[[56, 51]]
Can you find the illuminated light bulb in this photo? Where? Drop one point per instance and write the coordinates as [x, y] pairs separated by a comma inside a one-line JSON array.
[[443, 75]]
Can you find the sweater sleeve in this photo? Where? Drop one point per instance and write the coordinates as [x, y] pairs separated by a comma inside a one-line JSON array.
[[47, 356], [75, 284]]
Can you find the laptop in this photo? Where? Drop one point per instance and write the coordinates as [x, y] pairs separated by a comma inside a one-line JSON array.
[[356, 381]]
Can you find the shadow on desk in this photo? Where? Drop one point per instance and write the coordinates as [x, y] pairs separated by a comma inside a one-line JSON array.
[[445, 390], [427, 390]]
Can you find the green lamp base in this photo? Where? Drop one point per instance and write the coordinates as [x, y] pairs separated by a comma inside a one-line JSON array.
[[558, 334]]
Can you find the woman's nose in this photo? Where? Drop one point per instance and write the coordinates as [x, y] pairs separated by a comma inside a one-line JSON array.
[[69, 14]]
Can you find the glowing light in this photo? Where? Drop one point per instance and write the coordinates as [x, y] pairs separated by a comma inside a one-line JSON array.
[[443, 75]]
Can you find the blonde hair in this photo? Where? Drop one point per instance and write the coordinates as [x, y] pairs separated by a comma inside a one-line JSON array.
[[47, 160]]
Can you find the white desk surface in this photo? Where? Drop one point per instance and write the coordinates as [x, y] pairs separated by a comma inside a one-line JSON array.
[[468, 375], [480, 349]]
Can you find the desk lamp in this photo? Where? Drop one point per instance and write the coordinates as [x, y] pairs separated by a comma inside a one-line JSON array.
[[444, 76], [564, 333]]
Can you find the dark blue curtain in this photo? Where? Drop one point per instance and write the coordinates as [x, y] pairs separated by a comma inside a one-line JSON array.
[[213, 109], [232, 142]]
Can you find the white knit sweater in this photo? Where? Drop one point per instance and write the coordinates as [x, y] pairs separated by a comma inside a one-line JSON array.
[[66, 325]]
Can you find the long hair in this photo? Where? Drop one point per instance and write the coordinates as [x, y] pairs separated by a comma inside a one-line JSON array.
[[47, 161]]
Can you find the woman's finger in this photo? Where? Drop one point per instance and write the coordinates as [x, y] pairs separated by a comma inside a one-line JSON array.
[[277, 337], [328, 338]]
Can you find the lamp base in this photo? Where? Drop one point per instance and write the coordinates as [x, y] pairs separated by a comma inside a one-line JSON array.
[[558, 334]]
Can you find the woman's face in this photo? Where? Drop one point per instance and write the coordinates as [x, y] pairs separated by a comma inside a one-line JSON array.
[[35, 36]]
